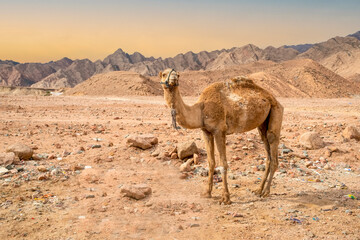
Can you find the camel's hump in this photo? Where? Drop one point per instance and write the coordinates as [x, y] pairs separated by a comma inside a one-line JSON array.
[[241, 80]]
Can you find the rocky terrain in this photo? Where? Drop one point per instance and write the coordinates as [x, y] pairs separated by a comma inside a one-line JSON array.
[[339, 54], [110, 168]]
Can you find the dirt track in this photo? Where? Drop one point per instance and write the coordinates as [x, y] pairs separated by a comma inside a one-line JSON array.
[[77, 203]]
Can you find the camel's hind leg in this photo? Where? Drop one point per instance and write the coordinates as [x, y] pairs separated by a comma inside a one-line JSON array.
[[209, 144], [273, 137], [262, 131]]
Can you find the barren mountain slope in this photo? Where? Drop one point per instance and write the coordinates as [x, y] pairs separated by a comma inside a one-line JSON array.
[[339, 54], [77, 72], [118, 83]]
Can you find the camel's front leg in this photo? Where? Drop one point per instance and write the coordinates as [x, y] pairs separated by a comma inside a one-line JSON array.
[[209, 144], [220, 144]]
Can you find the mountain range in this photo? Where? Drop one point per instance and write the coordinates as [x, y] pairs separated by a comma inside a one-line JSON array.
[[339, 54]]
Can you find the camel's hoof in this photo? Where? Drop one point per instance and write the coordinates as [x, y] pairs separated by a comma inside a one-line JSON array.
[[205, 195], [257, 192], [226, 199], [265, 194]]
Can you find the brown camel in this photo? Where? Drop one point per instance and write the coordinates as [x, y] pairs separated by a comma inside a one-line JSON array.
[[224, 108]]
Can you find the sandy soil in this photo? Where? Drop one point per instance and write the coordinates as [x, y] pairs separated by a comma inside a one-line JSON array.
[[80, 197]]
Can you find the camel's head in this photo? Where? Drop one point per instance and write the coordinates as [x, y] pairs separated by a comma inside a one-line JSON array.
[[169, 78]]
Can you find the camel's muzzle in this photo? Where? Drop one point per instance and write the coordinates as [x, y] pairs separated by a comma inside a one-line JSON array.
[[170, 81]]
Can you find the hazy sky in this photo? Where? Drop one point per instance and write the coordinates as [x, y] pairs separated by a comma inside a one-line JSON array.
[[44, 30]]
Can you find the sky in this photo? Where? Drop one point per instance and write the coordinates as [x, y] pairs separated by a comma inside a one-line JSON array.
[[45, 30]]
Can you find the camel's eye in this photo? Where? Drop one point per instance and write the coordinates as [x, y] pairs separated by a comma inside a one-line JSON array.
[[164, 74]]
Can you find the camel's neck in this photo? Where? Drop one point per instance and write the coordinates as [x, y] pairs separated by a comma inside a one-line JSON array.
[[186, 116]]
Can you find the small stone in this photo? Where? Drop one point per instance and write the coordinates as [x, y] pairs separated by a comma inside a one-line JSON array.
[[142, 141], [187, 149], [196, 159], [194, 225], [311, 140], [22, 151], [348, 211], [90, 196], [3, 171], [96, 146], [137, 192], [327, 167], [186, 166], [261, 167], [351, 132], [308, 164], [42, 169], [43, 177], [232, 176], [77, 167], [183, 175], [292, 211], [55, 172], [174, 156], [8, 158], [155, 153]]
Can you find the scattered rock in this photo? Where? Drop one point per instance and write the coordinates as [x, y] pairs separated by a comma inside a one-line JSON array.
[[90, 175], [261, 167], [8, 158], [43, 177], [327, 167], [194, 225], [174, 156], [3, 171], [137, 192], [204, 172], [351, 132], [196, 159], [187, 149], [311, 140], [186, 166], [22, 151], [155, 153], [42, 169], [142, 141]]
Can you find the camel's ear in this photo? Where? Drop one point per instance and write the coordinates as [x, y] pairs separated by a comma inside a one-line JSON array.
[[160, 74], [178, 75]]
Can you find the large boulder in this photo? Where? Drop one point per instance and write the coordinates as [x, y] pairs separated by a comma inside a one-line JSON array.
[[137, 192], [187, 149], [8, 158], [22, 151], [311, 140], [351, 132], [142, 141]]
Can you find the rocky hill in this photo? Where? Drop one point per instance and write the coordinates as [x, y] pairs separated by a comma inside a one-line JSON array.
[[117, 83], [339, 54], [26, 74], [293, 78]]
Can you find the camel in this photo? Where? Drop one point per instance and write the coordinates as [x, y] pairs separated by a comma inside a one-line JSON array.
[[223, 108]]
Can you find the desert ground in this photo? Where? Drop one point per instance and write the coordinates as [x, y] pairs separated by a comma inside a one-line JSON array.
[[71, 189]]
